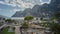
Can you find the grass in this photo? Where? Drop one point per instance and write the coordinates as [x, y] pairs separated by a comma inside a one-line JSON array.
[[5, 31], [0, 24]]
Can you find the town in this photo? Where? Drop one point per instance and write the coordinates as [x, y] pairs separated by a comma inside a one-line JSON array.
[[29, 16], [27, 25]]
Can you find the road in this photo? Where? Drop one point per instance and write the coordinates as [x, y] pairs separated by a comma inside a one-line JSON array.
[[2, 26], [17, 30]]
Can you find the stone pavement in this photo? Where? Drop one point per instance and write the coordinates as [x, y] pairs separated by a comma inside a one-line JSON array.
[[17, 30]]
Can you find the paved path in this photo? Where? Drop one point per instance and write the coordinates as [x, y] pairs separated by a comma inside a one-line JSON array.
[[2, 26], [17, 30]]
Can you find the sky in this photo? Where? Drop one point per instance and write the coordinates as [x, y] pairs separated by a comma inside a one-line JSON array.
[[9, 7]]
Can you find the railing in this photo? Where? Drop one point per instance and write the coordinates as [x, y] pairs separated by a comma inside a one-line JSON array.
[[2, 26]]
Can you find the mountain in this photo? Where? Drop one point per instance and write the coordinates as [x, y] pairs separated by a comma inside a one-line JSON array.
[[24, 13], [18, 14], [36, 11], [1, 16], [54, 6], [45, 10]]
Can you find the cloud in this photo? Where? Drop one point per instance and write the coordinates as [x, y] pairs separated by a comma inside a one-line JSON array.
[[16, 10], [45, 1], [22, 3], [1, 2]]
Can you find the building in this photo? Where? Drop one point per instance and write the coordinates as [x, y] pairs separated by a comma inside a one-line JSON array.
[[2, 20]]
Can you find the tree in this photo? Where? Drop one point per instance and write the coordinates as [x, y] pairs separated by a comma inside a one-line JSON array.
[[56, 26], [41, 18], [25, 24], [8, 20], [57, 15], [28, 18]]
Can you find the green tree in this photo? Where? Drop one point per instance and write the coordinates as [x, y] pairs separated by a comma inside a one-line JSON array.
[[28, 18], [25, 24], [41, 18], [56, 26], [8, 20]]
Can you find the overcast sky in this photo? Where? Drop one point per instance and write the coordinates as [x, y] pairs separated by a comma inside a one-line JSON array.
[[9, 7]]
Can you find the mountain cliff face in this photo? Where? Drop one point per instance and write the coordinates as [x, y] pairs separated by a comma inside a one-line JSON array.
[[55, 6], [45, 10], [36, 11], [24, 13]]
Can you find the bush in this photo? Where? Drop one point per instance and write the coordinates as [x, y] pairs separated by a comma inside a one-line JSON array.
[[25, 24], [28, 18]]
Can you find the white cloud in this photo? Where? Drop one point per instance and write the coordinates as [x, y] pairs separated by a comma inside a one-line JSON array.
[[22, 3], [27, 5], [16, 10], [1, 2], [45, 2], [6, 1]]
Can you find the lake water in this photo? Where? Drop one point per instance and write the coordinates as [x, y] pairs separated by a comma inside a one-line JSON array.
[[17, 17]]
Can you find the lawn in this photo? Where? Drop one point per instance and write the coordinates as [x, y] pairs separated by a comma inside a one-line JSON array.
[[5, 31]]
